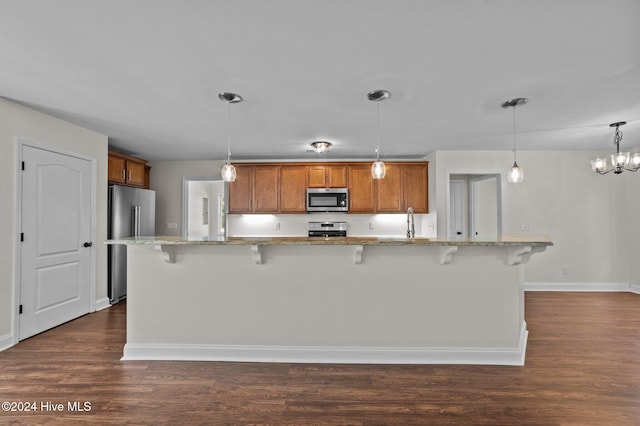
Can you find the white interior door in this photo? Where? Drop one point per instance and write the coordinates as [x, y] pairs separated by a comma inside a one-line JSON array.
[[483, 217], [55, 266]]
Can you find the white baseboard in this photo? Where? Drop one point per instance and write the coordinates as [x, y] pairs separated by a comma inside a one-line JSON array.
[[562, 286], [328, 355], [6, 341], [634, 288], [102, 304]]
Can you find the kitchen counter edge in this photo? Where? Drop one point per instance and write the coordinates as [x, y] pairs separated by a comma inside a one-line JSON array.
[[512, 240]]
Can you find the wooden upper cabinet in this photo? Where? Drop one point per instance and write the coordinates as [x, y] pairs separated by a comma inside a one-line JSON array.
[[135, 173], [404, 186], [117, 169], [241, 191], [267, 189], [281, 187], [415, 187], [293, 189], [317, 176], [389, 198], [337, 176], [127, 170], [361, 189], [327, 176]]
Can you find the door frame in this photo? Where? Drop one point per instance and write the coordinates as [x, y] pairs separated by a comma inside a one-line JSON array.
[[20, 144], [474, 172]]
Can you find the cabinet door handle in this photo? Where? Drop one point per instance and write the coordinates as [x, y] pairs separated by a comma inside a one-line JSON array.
[[129, 174], [124, 177]]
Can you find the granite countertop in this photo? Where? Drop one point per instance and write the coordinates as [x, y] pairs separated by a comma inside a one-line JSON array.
[[507, 240]]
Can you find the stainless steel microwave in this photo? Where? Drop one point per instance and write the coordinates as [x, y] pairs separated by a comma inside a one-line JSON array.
[[327, 199]]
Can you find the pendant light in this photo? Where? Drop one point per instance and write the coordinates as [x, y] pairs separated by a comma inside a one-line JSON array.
[[228, 171], [516, 174], [378, 169]]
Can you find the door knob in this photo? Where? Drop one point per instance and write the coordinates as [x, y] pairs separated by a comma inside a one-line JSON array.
[[87, 244]]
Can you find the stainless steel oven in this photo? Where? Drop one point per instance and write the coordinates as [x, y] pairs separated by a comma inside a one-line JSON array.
[[327, 229], [327, 199]]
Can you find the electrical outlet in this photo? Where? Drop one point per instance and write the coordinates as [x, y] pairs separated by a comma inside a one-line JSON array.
[[526, 227], [565, 270], [276, 226], [372, 225]]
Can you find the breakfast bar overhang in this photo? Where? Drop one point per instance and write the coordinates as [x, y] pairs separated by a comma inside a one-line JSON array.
[[340, 300]]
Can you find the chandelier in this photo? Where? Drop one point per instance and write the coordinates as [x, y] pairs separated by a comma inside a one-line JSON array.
[[620, 161]]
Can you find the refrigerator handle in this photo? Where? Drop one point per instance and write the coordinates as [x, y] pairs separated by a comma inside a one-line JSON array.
[[135, 221], [137, 229]]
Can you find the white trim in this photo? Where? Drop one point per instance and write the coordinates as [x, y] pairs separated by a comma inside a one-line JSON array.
[[634, 288], [103, 303], [6, 341], [561, 286], [329, 355]]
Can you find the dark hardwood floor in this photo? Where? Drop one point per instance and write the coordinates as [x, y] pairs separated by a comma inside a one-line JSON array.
[[582, 368]]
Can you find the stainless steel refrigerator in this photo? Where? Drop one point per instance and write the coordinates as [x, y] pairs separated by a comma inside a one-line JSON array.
[[132, 213]]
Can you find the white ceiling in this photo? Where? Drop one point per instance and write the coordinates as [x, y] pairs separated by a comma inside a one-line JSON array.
[[147, 73]]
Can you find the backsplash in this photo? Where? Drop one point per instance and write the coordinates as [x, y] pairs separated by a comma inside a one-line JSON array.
[[360, 225]]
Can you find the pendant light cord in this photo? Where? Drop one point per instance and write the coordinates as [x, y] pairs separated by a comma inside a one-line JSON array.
[[378, 130], [514, 133], [229, 133]]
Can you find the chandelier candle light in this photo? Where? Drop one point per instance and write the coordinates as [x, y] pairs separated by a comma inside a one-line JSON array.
[[228, 171], [516, 174], [378, 169], [620, 161]]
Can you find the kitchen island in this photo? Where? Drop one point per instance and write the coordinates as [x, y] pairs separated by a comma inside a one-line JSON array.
[[338, 300]]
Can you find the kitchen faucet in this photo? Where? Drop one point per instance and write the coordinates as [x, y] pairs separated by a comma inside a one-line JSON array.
[[411, 229]]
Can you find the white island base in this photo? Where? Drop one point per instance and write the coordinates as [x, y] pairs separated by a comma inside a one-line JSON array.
[[327, 303]]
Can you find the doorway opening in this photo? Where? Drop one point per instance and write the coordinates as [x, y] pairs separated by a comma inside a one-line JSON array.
[[474, 203], [203, 209]]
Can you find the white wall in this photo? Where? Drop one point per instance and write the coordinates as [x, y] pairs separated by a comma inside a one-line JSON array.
[[17, 121], [632, 228], [585, 214], [166, 179]]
